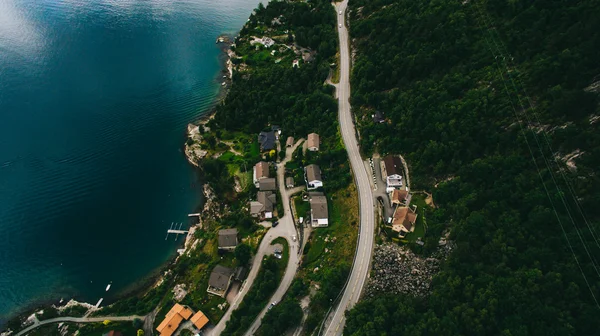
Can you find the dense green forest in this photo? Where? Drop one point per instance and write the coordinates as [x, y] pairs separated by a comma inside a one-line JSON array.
[[494, 105]]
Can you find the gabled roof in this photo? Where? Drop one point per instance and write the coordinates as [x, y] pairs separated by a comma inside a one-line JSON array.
[[318, 207], [289, 142], [262, 170], [313, 140], [228, 238], [313, 173], [256, 207], [393, 165], [199, 320], [267, 184], [219, 277], [289, 181], [399, 196]]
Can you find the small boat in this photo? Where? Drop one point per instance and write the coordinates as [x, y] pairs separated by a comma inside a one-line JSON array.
[[108, 286]]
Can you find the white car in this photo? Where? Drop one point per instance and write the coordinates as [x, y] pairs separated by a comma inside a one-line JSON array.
[[340, 12], [294, 238], [340, 25]]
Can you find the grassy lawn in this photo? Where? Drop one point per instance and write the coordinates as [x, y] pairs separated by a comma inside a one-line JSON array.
[[341, 234], [284, 257], [302, 207]]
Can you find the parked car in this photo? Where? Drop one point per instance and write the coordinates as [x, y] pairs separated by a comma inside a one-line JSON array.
[[273, 304], [275, 223], [294, 238]]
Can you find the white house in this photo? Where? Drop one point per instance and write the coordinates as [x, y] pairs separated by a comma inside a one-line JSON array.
[[259, 172], [391, 170], [318, 210], [312, 176]]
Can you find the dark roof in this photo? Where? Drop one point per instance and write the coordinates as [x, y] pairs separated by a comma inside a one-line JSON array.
[[219, 277], [393, 165], [228, 238], [378, 117], [266, 140], [275, 128], [240, 273], [267, 184]]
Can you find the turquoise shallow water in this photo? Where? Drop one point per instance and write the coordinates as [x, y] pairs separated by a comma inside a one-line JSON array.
[[94, 100]]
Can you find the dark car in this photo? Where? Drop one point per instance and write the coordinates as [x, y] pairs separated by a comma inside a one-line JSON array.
[[275, 223]]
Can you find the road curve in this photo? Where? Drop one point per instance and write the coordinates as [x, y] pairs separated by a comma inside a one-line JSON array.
[[362, 258], [286, 223], [77, 320]]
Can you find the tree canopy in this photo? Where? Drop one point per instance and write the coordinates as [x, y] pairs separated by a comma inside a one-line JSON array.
[[493, 105]]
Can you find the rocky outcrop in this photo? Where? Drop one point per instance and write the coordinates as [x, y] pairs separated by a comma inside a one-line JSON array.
[[398, 270]]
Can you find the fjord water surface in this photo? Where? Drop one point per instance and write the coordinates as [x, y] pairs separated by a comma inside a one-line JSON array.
[[94, 101]]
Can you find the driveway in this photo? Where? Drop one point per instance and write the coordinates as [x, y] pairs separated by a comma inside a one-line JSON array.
[[285, 229]]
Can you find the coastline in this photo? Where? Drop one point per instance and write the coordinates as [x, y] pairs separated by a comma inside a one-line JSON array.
[[155, 278]]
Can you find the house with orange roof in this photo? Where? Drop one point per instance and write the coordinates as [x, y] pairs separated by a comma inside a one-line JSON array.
[[173, 319], [199, 320]]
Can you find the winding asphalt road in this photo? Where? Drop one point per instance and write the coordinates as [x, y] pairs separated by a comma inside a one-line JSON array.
[[360, 269], [285, 229]]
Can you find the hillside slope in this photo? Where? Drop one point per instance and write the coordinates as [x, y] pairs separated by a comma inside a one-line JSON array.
[[494, 104]]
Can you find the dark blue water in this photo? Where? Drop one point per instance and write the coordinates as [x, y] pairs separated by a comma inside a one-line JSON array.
[[94, 101]]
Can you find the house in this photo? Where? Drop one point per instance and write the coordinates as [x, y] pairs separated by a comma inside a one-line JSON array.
[[378, 117], [267, 41], [312, 144], [400, 197], [266, 141], [404, 220], [173, 319], [267, 184], [259, 172], [312, 176], [289, 182], [318, 210], [240, 273], [289, 142], [295, 63], [277, 130], [219, 280], [391, 170], [199, 320], [264, 204], [228, 239]]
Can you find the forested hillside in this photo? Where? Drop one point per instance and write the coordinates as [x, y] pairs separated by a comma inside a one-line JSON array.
[[494, 104]]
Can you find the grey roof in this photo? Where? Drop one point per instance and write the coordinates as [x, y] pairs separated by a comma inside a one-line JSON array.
[[266, 140], [267, 184], [378, 117], [289, 181], [228, 238], [267, 199], [240, 273], [318, 207], [219, 277], [313, 173], [256, 207]]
